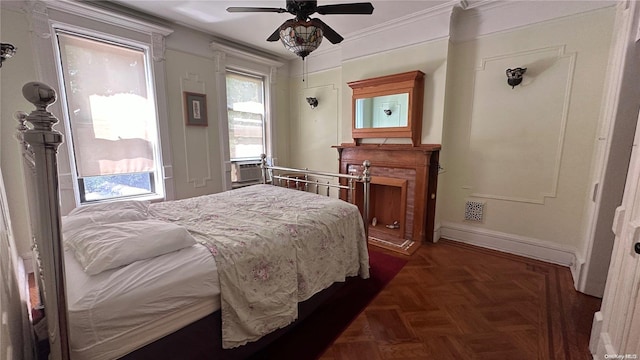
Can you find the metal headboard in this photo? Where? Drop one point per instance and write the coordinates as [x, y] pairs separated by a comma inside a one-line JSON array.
[[281, 176], [39, 143]]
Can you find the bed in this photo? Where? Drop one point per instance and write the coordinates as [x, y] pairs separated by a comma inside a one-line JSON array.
[[251, 255]]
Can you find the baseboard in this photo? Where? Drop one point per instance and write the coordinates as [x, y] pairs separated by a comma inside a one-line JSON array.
[[576, 271], [513, 244], [604, 348], [437, 233], [596, 329]]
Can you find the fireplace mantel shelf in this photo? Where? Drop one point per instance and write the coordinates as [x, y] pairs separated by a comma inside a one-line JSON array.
[[390, 147]]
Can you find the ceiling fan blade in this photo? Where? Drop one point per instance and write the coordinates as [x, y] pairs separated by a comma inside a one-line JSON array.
[[235, 9], [327, 31], [364, 8], [276, 34]]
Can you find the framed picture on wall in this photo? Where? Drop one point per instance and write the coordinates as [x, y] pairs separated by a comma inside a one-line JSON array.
[[196, 109]]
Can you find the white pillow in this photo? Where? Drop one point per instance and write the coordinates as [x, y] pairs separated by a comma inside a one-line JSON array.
[[141, 206], [78, 221], [108, 246]]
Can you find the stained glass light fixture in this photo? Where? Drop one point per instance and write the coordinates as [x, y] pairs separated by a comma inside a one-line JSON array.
[[6, 51], [301, 37], [303, 34]]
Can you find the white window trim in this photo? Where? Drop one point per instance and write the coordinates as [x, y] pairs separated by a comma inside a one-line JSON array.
[[62, 99], [44, 18], [266, 124], [227, 57]]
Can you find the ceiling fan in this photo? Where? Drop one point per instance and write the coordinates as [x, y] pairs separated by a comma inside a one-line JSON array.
[[302, 34]]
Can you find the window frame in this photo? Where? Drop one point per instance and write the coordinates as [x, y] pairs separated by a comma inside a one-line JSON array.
[[266, 146], [158, 187], [43, 16]]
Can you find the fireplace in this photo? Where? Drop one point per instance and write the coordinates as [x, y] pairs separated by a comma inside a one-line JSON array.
[[403, 192], [387, 207]]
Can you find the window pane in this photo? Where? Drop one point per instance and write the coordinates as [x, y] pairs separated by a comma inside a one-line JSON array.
[[113, 186], [245, 102], [112, 118], [110, 106]]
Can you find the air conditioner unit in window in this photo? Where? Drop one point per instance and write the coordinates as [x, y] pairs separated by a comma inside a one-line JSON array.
[[245, 171]]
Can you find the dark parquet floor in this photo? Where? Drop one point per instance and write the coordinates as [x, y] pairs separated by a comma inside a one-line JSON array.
[[456, 301]]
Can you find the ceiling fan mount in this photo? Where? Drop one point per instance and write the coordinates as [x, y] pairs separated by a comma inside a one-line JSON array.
[[303, 34], [302, 9]]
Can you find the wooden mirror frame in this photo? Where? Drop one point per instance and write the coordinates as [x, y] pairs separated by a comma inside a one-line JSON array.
[[411, 82]]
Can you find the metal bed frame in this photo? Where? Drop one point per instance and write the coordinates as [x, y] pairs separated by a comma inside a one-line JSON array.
[[39, 143], [281, 176]]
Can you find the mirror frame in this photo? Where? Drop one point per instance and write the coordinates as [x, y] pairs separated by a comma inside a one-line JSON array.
[[411, 82]]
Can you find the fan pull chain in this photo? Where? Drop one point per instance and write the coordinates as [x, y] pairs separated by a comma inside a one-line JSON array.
[[304, 68]]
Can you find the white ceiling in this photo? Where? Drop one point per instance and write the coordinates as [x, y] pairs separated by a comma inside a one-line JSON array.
[[253, 29], [393, 22]]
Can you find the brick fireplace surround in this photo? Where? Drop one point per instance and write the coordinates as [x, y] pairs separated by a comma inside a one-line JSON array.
[[403, 189]]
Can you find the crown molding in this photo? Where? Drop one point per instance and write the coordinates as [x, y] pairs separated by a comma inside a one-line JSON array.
[[105, 15], [245, 54], [457, 20], [484, 17], [435, 11]]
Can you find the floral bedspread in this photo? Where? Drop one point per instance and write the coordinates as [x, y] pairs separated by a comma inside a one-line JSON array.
[[273, 247]]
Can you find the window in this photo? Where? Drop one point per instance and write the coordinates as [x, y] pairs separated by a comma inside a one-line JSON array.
[[246, 114], [110, 107]]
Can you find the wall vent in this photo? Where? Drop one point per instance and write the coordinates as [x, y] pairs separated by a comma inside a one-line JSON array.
[[474, 210]]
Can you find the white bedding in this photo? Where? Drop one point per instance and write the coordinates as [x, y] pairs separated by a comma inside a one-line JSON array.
[[119, 310], [274, 247], [286, 243]]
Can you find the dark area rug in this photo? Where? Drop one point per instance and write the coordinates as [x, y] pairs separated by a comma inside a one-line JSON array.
[[310, 338]]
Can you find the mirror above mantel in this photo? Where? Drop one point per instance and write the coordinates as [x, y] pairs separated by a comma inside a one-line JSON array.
[[388, 107]]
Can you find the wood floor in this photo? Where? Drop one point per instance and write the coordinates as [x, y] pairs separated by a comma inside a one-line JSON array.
[[455, 301]]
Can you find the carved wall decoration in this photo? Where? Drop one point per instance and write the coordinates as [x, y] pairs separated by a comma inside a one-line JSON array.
[[520, 132], [197, 147]]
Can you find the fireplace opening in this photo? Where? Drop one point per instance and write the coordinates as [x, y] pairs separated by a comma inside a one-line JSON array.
[[387, 204]]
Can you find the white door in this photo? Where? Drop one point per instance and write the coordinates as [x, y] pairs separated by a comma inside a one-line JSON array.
[[616, 331]]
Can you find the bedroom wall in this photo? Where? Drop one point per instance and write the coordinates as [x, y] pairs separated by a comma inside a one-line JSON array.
[[430, 58], [525, 152], [191, 65], [314, 131], [196, 151], [14, 74], [197, 168]]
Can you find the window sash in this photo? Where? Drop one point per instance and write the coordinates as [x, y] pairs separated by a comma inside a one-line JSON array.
[[125, 188], [111, 114], [246, 115], [122, 161]]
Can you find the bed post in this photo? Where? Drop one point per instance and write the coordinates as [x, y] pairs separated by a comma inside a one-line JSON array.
[[263, 166], [366, 184], [41, 142]]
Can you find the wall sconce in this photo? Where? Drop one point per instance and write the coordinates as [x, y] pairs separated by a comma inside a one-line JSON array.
[[6, 51], [388, 112], [514, 76], [313, 102]]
